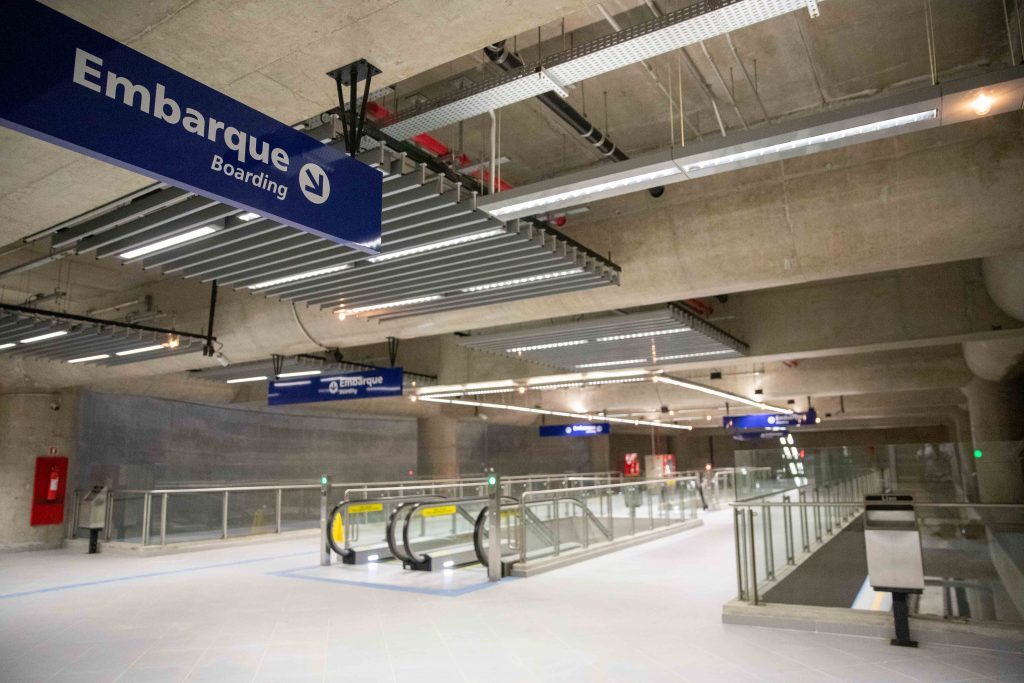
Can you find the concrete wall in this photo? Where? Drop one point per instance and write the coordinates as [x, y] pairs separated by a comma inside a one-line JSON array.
[[137, 442], [29, 428], [514, 450]]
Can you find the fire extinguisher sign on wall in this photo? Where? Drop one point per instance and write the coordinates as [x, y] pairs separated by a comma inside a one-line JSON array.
[[48, 492]]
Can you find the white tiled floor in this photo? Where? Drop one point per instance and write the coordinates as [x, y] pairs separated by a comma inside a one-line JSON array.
[[268, 613]]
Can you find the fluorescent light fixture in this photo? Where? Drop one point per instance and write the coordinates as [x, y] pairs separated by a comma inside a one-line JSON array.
[[506, 384], [721, 394], [246, 379], [88, 359], [782, 440], [7, 346], [812, 140], [300, 276], [789, 439], [142, 349], [522, 280], [583, 192], [552, 345], [170, 242], [392, 304], [642, 335], [557, 413], [701, 354], [436, 245], [248, 216], [631, 361], [301, 373], [41, 337]]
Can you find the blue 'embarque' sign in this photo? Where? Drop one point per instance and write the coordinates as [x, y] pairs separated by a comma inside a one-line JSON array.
[[65, 83]]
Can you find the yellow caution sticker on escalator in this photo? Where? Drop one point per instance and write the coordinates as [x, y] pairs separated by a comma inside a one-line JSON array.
[[365, 507], [441, 511]]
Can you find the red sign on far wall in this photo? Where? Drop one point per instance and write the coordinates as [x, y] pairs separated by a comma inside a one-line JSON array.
[[48, 491]]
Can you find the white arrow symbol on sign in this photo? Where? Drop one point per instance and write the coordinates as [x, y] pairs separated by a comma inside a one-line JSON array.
[[314, 183]]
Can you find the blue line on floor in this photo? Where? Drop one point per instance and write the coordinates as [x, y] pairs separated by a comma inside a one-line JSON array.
[[150, 575], [451, 593]]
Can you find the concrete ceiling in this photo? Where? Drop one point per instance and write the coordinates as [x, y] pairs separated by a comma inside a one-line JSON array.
[[944, 196]]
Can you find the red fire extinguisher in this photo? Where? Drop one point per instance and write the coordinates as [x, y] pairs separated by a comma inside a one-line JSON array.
[[51, 493]]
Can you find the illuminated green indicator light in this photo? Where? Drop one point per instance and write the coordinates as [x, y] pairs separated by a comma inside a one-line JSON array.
[[978, 453], [323, 481], [492, 480]]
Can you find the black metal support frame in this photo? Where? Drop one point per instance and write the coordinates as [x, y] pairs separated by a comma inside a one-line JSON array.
[[71, 317], [353, 119], [208, 347]]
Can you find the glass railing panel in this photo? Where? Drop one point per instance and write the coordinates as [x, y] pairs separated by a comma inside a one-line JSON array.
[[190, 517], [126, 517], [300, 509], [252, 512]]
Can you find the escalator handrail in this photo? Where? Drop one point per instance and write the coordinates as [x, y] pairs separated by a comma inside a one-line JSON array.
[[342, 508], [405, 508], [420, 558]]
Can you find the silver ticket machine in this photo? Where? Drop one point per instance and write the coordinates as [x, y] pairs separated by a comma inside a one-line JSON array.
[[893, 544], [92, 515]]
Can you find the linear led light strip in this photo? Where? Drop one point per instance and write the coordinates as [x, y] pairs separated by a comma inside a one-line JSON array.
[[851, 132], [552, 345], [522, 280], [584, 191], [390, 304], [437, 245], [170, 242], [641, 335], [678, 356], [41, 337], [557, 413], [722, 394], [300, 276]]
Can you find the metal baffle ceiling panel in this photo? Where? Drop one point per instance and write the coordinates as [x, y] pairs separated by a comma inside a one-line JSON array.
[[439, 251], [668, 335]]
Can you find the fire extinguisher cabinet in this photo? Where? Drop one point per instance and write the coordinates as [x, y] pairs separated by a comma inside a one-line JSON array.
[[48, 492]]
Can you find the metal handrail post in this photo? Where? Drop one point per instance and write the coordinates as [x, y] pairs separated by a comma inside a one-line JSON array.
[[753, 554], [146, 503], [558, 529], [611, 516], [277, 510], [109, 521], [163, 519], [224, 515], [736, 513], [805, 535], [769, 543], [522, 529], [817, 517], [788, 532]]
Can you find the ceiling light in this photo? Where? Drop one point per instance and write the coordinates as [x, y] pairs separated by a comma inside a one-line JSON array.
[[300, 276], [342, 315], [552, 345], [812, 140], [143, 349], [390, 304], [722, 394], [248, 216], [588, 191], [642, 335], [7, 346], [632, 361], [302, 373], [170, 242], [436, 245], [982, 104], [88, 359], [246, 379], [522, 280], [558, 413], [701, 354], [173, 341], [41, 337]]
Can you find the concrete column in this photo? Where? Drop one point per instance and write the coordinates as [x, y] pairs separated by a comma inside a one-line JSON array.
[[600, 454], [436, 449], [31, 425], [997, 427]]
